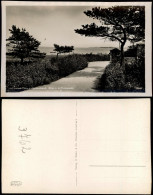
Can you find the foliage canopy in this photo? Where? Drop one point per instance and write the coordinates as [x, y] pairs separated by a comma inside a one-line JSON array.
[[23, 45], [63, 49], [118, 23]]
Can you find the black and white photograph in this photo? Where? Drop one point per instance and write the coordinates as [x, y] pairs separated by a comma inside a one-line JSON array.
[[87, 49], [76, 95]]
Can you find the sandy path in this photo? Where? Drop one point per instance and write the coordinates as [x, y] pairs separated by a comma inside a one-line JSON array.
[[80, 81]]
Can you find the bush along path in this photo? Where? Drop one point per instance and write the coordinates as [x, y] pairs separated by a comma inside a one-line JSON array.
[[20, 77], [80, 81], [128, 78]]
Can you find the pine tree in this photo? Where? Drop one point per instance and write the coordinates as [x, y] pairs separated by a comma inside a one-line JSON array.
[[63, 49], [22, 45], [118, 23]]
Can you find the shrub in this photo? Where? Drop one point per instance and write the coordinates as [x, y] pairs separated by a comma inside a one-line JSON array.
[[20, 77], [69, 64], [97, 57], [131, 51], [135, 75], [113, 79], [31, 74], [118, 79]]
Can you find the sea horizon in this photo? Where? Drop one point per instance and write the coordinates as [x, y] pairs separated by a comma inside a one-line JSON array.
[[77, 50], [80, 50]]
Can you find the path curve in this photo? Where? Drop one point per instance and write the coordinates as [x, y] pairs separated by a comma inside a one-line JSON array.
[[79, 81]]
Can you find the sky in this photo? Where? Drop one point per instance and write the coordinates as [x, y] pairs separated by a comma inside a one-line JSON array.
[[54, 25]]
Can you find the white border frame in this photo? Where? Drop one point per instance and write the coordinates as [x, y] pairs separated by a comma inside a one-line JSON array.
[[148, 52]]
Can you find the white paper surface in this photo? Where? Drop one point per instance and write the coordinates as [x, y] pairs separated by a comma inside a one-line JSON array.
[[76, 146]]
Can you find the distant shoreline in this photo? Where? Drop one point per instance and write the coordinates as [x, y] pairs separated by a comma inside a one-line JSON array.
[[80, 50], [77, 50]]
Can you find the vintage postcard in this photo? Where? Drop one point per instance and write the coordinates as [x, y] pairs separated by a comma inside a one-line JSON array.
[[76, 146], [76, 49]]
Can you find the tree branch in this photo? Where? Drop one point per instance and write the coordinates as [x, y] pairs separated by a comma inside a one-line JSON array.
[[112, 36]]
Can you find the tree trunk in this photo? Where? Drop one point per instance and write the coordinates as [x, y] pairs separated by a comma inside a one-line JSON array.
[[122, 63], [122, 47], [122, 54]]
